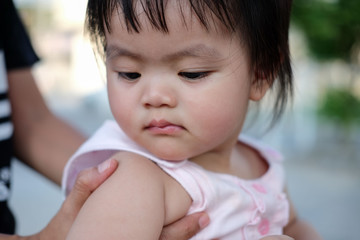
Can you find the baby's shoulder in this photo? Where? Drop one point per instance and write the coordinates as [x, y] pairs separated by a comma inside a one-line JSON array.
[[264, 149], [139, 167], [176, 199], [133, 160]]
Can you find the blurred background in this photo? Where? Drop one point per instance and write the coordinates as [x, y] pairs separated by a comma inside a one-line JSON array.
[[319, 133]]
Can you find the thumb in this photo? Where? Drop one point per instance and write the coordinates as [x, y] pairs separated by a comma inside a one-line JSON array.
[[277, 237], [88, 181], [186, 227]]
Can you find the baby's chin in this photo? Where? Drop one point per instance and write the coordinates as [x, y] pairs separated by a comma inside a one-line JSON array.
[[167, 149], [170, 156]]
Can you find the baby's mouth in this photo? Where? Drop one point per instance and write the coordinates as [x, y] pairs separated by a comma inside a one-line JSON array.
[[163, 127]]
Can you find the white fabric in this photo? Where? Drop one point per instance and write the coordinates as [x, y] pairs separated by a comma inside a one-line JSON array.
[[238, 208]]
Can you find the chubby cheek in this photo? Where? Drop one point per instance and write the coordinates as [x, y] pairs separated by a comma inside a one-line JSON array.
[[222, 113], [120, 106], [219, 121]]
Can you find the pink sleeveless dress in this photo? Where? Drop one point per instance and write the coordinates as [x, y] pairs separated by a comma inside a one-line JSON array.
[[238, 209]]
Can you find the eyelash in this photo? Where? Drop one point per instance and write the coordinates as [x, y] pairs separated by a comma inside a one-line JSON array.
[[191, 76], [130, 76], [194, 75]]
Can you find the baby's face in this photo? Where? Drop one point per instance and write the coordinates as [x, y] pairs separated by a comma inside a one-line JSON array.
[[178, 94]]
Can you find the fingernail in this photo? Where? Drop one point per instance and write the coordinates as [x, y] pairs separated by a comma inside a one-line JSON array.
[[104, 165], [204, 221]]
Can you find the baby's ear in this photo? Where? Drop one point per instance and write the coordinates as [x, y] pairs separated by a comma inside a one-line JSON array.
[[259, 86]]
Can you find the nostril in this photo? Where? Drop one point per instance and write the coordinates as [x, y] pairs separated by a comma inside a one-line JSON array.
[[158, 99]]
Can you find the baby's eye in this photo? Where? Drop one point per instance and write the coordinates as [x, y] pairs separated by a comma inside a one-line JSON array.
[[131, 76], [193, 75]]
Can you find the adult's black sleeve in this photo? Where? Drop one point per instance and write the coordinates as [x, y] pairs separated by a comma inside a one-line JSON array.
[[17, 47]]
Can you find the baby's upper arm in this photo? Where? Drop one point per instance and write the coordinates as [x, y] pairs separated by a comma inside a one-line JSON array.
[[129, 205], [292, 210], [299, 229]]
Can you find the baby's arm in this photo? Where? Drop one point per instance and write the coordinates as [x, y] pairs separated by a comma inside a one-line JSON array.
[[299, 229], [131, 203]]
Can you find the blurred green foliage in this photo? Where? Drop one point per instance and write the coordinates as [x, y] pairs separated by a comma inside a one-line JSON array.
[[332, 30], [331, 27], [341, 106]]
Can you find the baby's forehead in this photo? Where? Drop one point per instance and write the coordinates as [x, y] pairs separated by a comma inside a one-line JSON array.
[[150, 14]]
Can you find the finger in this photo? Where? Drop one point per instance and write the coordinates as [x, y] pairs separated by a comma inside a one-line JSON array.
[[277, 237], [285, 238], [87, 182], [186, 227]]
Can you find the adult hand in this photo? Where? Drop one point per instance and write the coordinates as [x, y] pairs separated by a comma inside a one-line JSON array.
[[87, 181], [186, 227], [277, 237]]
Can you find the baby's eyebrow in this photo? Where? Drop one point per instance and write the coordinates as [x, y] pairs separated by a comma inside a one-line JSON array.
[[113, 51], [198, 50]]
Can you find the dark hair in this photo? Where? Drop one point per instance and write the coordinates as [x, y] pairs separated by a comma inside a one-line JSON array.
[[263, 24]]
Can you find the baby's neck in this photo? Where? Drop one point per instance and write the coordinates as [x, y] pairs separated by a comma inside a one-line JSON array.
[[242, 161], [217, 160], [214, 161]]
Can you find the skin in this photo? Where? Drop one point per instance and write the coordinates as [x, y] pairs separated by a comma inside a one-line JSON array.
[[85, 184], [42, 141], [45, 143], [173, 88]]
